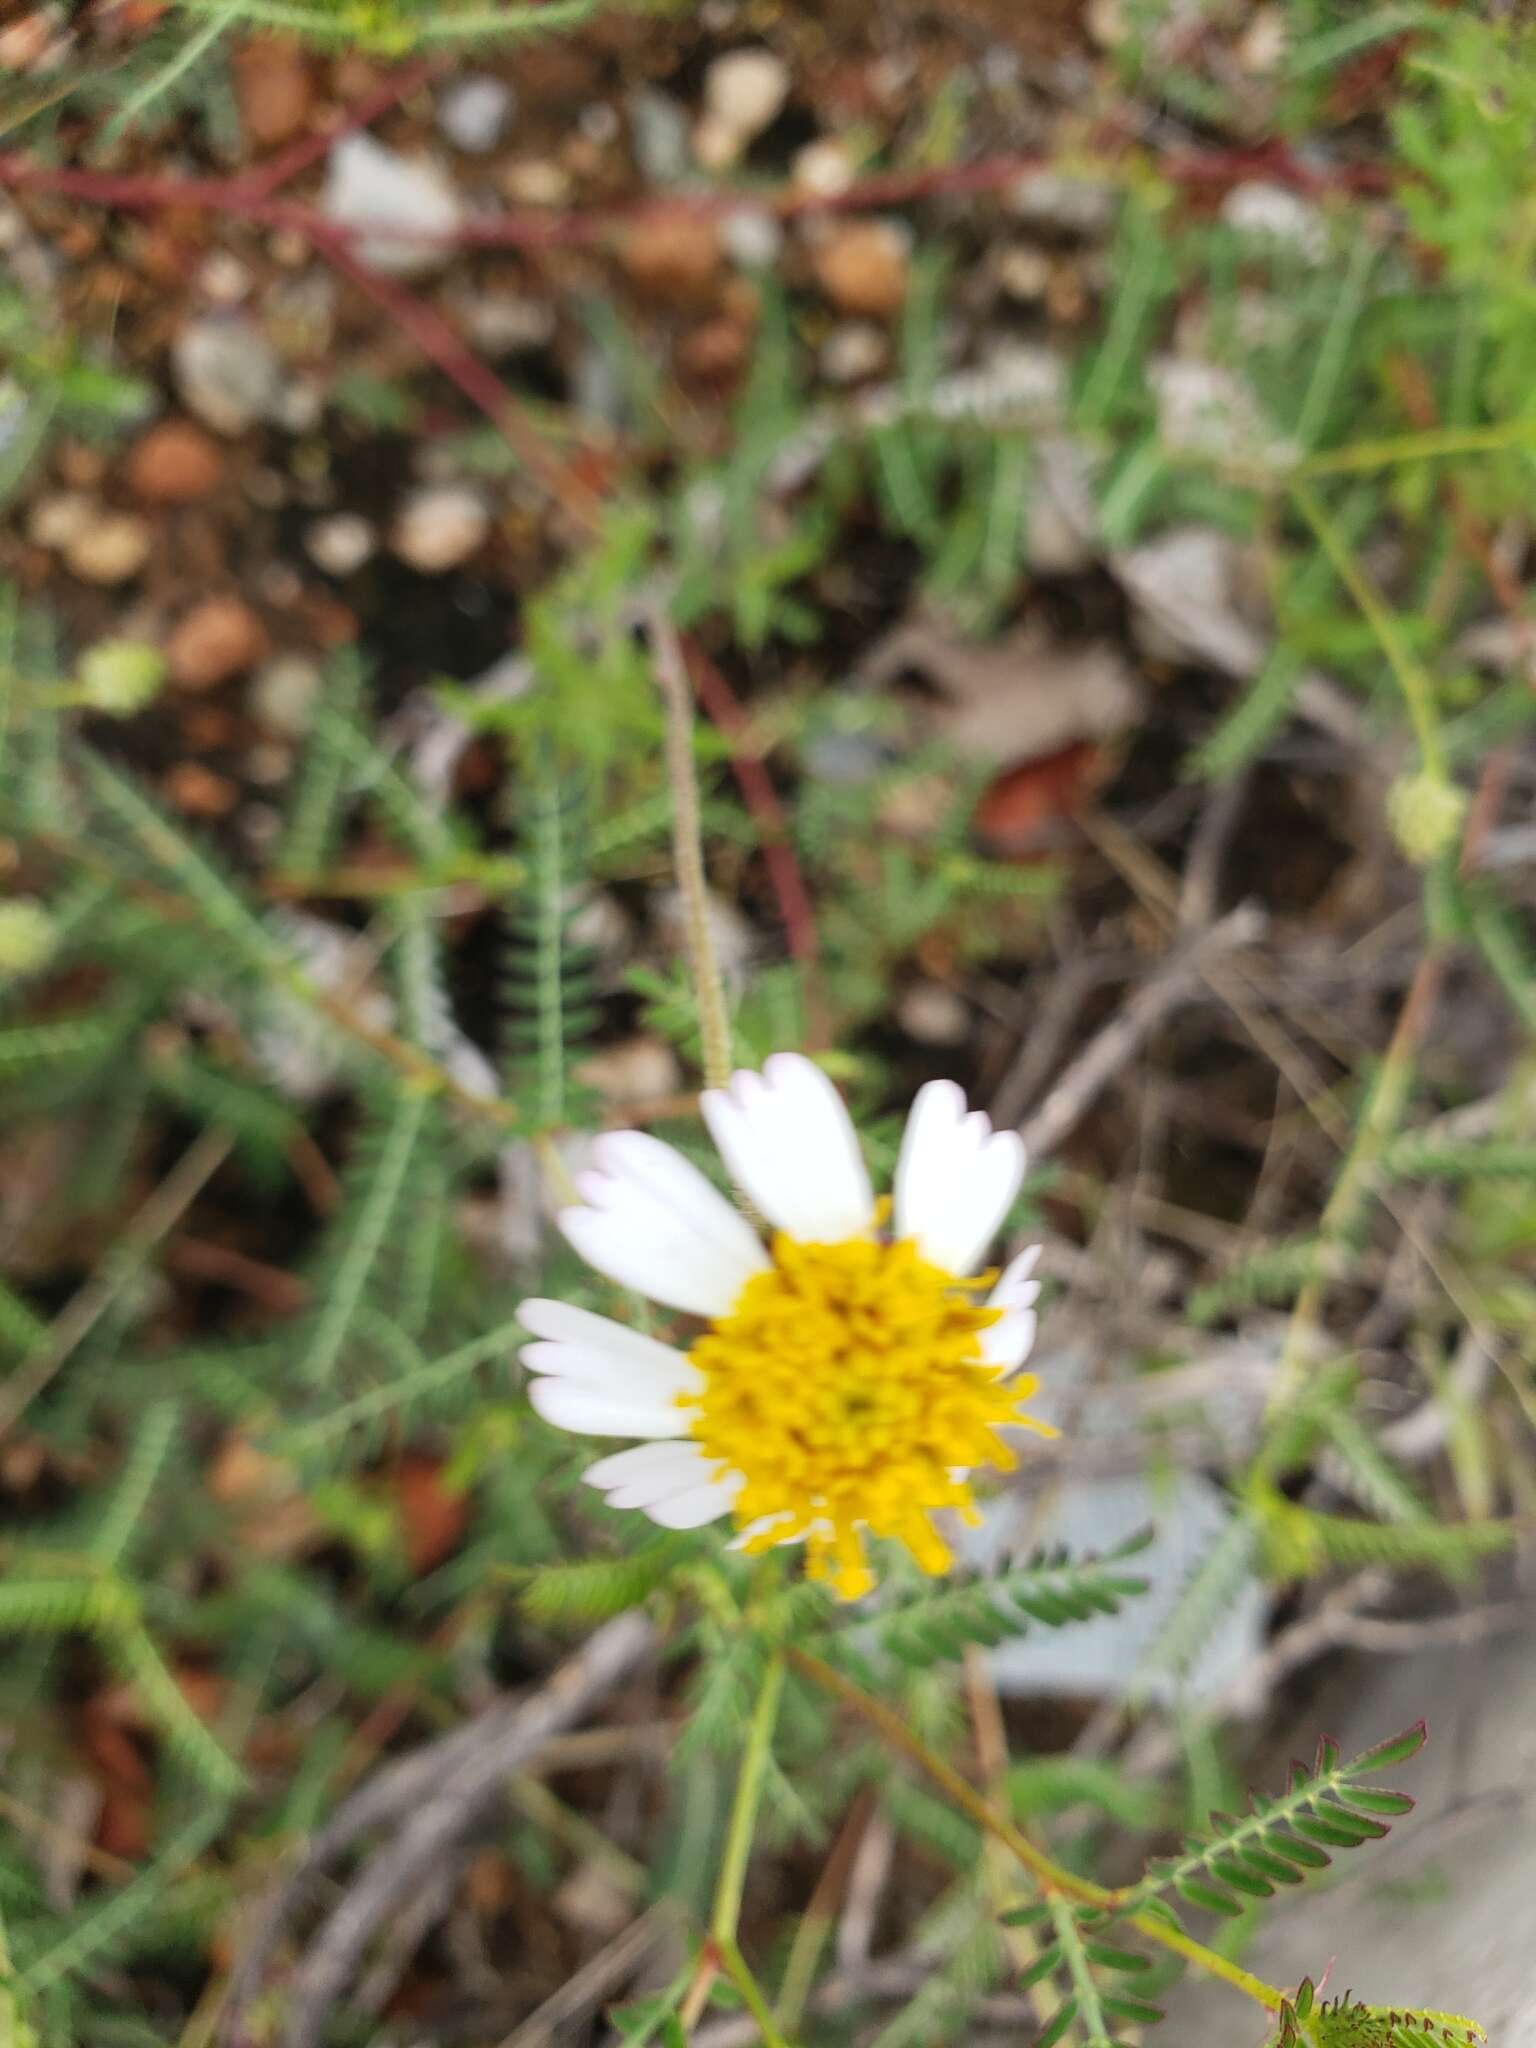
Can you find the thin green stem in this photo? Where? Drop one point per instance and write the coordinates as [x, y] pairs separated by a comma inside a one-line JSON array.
[[1054, 1881], [1435, 442], [1418, 692], [749, 1792], [734, 1965], [688, 851]]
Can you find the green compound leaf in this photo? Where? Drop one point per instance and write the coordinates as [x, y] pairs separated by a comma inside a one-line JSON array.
[[1053, 1590], [1281, 1841]]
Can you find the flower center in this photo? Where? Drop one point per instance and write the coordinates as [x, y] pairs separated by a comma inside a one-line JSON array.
[[848, 1388]]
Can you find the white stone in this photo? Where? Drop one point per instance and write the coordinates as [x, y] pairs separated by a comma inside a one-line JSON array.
[[823, 166], [1023, 271], [852, 352], [223, 279], [934, 1014], [227, 372], [370, 187], [475, 113], [439, 527], [1052, 199], [751, 238], [55, 521], [1274, 213], [744, 91], [111, 548], [505, 323], [340, 543], [283, 694], [658, 130]]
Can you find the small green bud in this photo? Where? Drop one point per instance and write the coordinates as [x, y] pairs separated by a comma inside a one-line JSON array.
[[28, 936], [1426, 811], [119, 677]]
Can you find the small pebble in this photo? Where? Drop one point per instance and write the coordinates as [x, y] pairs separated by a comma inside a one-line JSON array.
[[658, 130], [55, 521], [269, 765], [673, 256], [369, 186], [744, 91], [823, 166], [862, 268], [536, 183], [751, 238], [223, 279], [113, 547], [214, 641], [1056, 200], [301, 407], [284, 693], [1023, 271], [1273, 213], [475, 113], [273, 89], [341, 543], [175, 463], [439, 527], [227, 372], [852, 352], [505, 323], [933, 1014], [198, 793]]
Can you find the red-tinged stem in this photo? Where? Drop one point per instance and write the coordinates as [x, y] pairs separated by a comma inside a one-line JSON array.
[[250, 197], [439, 342], [762, 800]]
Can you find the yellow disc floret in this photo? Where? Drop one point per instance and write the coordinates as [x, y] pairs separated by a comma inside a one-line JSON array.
[[847, 1386]]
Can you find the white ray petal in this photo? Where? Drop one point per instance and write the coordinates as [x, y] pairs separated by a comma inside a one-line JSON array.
[[591, 1412], [955, 1178], [791, 1147], [654, 1223], [1010, 1341], [604, 1355], [651, 1472], [700, 1504]]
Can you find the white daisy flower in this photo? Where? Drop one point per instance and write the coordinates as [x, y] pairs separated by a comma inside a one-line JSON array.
[[849, 1379]]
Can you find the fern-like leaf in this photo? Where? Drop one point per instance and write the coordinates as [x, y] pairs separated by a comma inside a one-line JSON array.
[[1053, 1590], [1282, 1841], [593, 1589], [377, 1183]]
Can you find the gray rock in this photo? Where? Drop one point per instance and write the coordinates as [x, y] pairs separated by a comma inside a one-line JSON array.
[[368, 186], [283, 694], [475, 113], [227, 372], [659, 130]]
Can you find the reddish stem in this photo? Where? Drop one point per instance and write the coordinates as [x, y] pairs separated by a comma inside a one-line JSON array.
[[761, 798], [540, 227]]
